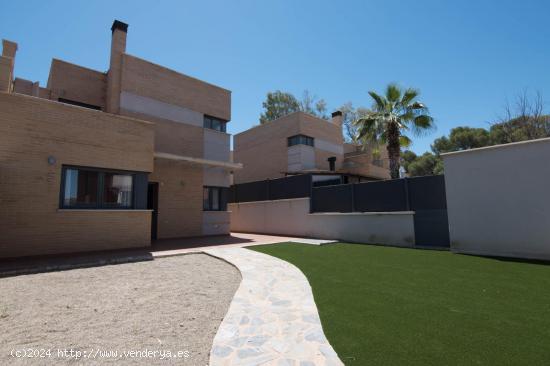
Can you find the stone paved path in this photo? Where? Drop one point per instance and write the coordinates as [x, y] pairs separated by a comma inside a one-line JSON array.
[[272, 319]]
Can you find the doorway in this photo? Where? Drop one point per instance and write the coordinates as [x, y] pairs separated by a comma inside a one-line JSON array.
[[153, 204]]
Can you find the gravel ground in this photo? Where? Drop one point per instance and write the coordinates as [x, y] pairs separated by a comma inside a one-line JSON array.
[[169, 304]]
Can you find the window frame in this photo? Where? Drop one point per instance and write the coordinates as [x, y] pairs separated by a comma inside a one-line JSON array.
[[100, 204], [301, 140], [222, 205], [208, 122]]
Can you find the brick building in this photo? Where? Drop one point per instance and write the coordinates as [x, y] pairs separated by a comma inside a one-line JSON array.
[[104, 160], [302, 143]]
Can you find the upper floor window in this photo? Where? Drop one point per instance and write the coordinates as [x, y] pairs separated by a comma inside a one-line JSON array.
[[214, 123], [96, 188], [214, 198], [300, 140]]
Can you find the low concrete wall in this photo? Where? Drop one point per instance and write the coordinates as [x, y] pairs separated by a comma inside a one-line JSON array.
[[291, 217], [498, 200]]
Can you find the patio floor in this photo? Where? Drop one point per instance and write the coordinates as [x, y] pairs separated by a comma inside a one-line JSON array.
[[160, 248]]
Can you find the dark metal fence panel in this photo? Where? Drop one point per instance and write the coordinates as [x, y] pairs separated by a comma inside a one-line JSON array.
[[388, 195], [427, 193], [253, 191], [296, 186], [431, 228], [337, 198]]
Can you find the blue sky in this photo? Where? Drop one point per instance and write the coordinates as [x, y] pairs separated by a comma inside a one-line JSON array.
[[466, 57]]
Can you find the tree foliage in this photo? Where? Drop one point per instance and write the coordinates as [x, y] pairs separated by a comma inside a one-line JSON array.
[[523, 120], [351, 114], [279, 104]]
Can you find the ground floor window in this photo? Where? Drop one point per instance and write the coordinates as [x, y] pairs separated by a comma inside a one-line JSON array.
[[214, 199], [96, 188]]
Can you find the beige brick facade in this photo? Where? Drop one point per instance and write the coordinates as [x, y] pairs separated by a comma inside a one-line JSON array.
[[77, 83], [265, 153], [144, 109], [34, 130], [150, 80], [180, 198]]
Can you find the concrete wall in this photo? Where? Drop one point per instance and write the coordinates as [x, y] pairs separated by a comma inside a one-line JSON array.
[[291, 217], [498, 200], [33, 130]]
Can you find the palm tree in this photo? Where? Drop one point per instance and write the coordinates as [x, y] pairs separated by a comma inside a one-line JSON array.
[[392, 116]]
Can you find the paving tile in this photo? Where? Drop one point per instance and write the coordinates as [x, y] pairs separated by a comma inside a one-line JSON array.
[[273, 319]]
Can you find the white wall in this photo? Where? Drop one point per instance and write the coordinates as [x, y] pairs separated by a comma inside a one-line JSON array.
[[215, 222], [329, 146], [140, 104], [300, 157], [498, 200], [216, 145], [291, 217]]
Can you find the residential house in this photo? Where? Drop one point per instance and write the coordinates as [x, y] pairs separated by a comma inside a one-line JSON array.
[[301, 143], [104, 160]]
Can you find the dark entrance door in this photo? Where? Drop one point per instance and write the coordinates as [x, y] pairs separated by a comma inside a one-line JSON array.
[[153, 204]]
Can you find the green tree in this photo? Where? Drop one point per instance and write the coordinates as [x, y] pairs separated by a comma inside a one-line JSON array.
[[462, 138], [425, 164], [279, 104], [393, 115], [407, 157], [350, 114], [523, 120], [312, 105]]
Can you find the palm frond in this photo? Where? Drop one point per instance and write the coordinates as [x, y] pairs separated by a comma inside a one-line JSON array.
[[379, 101], [422, 124], [393, 93], [409, 95], [423, 121], [404, 141], [417, 106]]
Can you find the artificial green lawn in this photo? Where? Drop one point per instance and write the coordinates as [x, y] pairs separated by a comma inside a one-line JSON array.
[[392, 306]]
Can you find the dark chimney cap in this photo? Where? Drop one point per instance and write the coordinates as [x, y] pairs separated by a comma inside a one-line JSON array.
[[336, 114], [117, 24]]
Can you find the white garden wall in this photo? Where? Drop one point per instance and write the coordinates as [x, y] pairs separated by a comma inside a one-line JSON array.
[[498, 200], [291, 217]]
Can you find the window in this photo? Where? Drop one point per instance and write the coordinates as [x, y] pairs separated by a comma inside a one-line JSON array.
[[117, 189], [300, 140], [214, 199], [96, 188], [80, 104], [214, 123]]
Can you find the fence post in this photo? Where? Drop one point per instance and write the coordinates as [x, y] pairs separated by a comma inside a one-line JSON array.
[[310, 193], [353, 197], [407, 196]]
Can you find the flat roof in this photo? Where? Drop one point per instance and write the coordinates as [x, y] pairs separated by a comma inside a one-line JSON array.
[[511, 144]]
